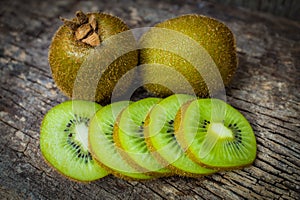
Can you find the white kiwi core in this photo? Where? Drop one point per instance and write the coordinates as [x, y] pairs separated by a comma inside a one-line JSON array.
[[81, 135], [221, 131], [215, 132]]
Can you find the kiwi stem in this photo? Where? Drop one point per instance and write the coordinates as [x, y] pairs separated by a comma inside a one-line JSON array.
[[81, 17], [85, 28]]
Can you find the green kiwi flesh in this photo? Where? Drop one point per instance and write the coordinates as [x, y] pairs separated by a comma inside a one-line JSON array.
[[215, 134], [64, 143], [161, 140], [129, 136], [160, 45], [78, 46], [103, 147]]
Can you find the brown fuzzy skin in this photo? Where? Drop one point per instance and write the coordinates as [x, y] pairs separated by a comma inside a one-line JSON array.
[[181, 140], [214, 36], [67, 54]]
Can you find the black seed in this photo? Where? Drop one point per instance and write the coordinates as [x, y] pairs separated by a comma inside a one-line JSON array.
[[111, 125], [238, 134], [234, 124], [140, 130], [86, 161], [70, 135], [143, 122], [90, 156], [171, 121], [66, 130], [208, 122], [169, 131], [203, 126], [79, 155], [78, 151]]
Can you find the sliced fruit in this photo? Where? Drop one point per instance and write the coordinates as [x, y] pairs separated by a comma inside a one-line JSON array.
[[215, 134], [64, 140]]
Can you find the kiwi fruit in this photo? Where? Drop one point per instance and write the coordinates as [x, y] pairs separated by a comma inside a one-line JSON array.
[[90, 53], [200, 48], [103, 147], [64, 140], [129, 137], [161, 140], [215, 134]]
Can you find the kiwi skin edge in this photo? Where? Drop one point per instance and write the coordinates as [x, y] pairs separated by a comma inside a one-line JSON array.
[[73, 179], [116, 173], [130, 161], [161, 160], [123, 153], [178, 130]]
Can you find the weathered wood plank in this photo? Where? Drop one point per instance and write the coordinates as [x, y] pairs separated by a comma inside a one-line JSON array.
[[265, 89]]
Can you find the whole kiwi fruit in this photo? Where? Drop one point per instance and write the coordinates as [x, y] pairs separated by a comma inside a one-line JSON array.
[[192, 49], [90, 53]]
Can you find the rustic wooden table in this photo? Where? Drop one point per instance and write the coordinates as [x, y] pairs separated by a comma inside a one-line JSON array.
[[266, 89]]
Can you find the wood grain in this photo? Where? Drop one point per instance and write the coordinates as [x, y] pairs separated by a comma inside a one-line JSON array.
[[265, 89]]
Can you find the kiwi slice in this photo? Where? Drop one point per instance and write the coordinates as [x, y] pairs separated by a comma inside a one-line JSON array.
[[129, 136], [200, 48], [161, 140], [64, 140], [104, 148], [90, 53], [215, 134]]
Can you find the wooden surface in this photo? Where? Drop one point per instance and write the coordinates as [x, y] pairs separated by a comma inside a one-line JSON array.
[[265, 89]]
